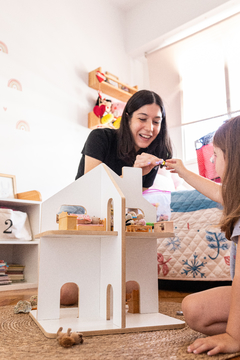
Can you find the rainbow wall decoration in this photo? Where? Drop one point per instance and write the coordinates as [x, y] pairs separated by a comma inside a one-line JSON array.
[[22, 125], [3, 47], [14, 84]]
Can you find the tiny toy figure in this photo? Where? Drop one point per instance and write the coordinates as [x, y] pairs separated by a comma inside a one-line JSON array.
[[69, 338]]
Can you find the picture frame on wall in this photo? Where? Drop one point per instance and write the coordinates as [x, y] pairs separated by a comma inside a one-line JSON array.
[[7, 186]]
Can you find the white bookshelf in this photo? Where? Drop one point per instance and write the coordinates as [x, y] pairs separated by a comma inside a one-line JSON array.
[[23, 252]]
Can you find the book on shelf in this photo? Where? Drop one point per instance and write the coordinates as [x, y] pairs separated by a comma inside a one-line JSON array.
[[4, 278], [2, 271], [16, 276], [6, 282], [15, 267], [16, 272], [3, 266]]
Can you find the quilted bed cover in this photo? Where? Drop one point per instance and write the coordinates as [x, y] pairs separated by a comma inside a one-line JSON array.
[[199, 251]]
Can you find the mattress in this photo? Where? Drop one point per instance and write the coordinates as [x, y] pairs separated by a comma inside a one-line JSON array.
[[199, 250]]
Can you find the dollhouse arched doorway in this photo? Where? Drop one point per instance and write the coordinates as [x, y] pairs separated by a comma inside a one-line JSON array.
[[133, 297], [110, 217], [109, 304], [69, 297]]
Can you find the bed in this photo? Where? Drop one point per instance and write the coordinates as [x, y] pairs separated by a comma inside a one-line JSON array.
[[198, 251]]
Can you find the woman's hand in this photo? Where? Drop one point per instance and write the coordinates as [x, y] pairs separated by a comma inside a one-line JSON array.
[[222, 343], [146, 162], [175, 166]]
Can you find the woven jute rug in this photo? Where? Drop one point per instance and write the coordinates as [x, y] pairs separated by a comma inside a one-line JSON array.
[[21, 338]]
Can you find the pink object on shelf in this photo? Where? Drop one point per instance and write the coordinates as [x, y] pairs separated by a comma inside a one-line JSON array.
[[83, 219]]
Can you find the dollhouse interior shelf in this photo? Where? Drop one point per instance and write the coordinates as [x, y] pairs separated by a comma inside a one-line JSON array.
[[74, 233]]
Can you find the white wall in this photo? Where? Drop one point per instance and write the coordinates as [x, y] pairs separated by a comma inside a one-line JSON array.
[[52, 45]]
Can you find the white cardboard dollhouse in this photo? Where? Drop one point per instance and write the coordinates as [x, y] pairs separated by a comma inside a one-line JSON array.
[[100, 263]]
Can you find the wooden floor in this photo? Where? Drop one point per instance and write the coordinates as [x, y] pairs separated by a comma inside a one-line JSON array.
[[168, 291]]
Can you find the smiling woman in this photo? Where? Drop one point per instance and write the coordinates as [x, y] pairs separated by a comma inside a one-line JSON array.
[[145, 125], [141, 141]]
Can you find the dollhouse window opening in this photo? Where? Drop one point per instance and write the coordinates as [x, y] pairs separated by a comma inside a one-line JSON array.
[[77, 289], [110, 215], [132, 297]]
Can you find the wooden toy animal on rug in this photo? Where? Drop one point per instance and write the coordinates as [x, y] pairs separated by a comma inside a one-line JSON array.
[[69, 338]]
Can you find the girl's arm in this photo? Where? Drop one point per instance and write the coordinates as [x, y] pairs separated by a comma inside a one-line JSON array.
[[205, 186]]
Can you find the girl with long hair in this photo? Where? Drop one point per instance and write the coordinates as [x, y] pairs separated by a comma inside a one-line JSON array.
[[216, 312]]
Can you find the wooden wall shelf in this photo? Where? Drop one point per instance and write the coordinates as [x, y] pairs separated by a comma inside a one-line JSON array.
[[108, 89]]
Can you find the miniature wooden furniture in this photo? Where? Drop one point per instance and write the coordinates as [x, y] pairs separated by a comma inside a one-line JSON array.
[[99, 262], [33, 195], [70, 222], [92, 227], [139, 228], [163, 226], [67, 222]]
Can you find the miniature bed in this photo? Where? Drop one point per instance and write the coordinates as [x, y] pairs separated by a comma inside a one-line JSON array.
[[198, 251]]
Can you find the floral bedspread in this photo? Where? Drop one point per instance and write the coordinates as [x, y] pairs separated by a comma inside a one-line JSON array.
[[198, 251]]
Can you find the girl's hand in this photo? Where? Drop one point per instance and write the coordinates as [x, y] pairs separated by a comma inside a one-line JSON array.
[[223, 343], [175, 166], [147, 162]]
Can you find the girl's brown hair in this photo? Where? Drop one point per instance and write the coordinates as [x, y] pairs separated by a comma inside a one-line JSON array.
[[227, 138]]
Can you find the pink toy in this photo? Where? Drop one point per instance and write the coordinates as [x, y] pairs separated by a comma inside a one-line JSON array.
[[84, 219], [117, 109]]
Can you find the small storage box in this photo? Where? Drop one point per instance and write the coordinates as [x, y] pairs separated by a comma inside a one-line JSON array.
[[14, 225]]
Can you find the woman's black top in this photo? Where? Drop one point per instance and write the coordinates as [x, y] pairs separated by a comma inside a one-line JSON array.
[[102, 145]]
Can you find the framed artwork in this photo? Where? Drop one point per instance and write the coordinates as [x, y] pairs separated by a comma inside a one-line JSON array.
[[7, 186]]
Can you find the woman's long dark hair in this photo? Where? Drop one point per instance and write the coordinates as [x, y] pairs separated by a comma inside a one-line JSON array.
[[160, 147]]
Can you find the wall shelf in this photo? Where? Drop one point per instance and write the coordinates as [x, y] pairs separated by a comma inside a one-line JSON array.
[[108, 89]]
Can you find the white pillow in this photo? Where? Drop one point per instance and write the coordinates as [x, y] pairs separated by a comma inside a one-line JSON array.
[[162, 182]]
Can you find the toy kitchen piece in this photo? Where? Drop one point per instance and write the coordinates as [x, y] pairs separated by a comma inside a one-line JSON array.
[[101, 263]]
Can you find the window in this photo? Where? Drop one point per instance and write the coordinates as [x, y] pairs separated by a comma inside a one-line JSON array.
[[199, 80]]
